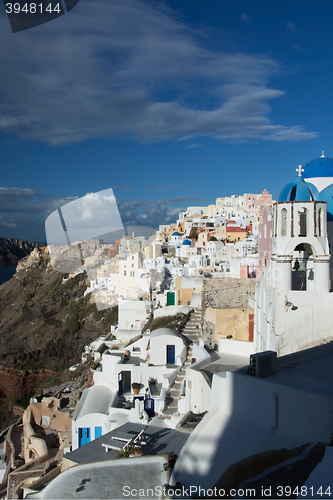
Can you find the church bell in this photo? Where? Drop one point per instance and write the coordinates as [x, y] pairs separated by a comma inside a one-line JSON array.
[[299, 265]]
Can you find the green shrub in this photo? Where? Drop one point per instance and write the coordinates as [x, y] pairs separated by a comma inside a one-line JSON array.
[[74, 282], [164, 322], [124, 453], [72, 324]]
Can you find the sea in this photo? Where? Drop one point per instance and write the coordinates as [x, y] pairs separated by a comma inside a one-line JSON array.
[[6, 273]]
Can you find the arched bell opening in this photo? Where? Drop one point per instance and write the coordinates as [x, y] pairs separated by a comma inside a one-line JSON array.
[[302, 277], [320, 222], [303, 222], [284, 215]]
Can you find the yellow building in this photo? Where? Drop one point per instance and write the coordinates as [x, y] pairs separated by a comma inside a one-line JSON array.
[[186, 287]]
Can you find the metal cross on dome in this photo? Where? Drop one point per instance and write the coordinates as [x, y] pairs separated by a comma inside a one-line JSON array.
[[299, 170]]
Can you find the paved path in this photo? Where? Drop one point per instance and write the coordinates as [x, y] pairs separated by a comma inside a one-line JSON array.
[[192, 331]]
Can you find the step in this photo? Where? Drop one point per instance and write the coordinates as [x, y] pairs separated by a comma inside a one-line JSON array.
[[177, 386], [174, 402], [170, 411]]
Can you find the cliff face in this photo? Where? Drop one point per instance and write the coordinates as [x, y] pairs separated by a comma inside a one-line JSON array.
[[12, 250], [13, 383], [44, 320], [44, 324]]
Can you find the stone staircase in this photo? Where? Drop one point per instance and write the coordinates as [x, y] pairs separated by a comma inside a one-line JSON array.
[[192, 331]]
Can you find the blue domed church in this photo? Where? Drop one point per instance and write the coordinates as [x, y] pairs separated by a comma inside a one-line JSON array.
[[319, 172], [294, 299]]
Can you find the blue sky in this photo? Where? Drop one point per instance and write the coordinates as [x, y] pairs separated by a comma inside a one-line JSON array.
[[171, 104]]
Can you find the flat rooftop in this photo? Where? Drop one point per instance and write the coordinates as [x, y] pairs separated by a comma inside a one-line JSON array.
[[221, 362], [310, 370], [108, 479], [160, 440]]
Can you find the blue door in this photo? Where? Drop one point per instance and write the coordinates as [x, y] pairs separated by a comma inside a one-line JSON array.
[[98, 432], [149, 407], [120, 384], [84, 435], [170, 355]]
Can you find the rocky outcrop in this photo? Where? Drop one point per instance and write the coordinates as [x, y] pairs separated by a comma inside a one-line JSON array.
[[45, 322], [12, 250], [36, 257]]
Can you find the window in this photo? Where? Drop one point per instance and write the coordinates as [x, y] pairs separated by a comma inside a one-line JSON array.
[[283, 222], [124, 273], [320, 229], [302, 222]]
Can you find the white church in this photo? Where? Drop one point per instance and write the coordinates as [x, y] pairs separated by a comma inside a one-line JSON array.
[[294, 298]]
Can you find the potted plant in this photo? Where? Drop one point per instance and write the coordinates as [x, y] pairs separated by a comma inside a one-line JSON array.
[[136, 387], [124, 452], [137, 451], [152, 380]]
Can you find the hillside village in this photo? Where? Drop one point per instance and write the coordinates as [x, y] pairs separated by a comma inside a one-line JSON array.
[[231, 397]]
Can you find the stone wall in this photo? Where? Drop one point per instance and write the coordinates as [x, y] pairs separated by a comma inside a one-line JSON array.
[[36, 468], [226, 293], [229, 322]]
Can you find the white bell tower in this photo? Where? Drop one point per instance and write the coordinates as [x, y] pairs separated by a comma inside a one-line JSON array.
[[300, 249], [293, 303]]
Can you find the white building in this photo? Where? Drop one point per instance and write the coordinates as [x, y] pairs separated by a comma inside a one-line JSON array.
[[89, 418], [175, 239], [293, 307], [132, 316], [256, 420], [186, 249]]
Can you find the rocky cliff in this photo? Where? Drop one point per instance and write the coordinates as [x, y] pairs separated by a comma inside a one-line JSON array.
[[44, 324], [11, 250]]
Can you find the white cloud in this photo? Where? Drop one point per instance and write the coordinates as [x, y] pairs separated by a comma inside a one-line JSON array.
[[6, 192], [292, 27], [23, 212], [192, 146], [245, 17], [128, 68], [88, 217], [155, 212]]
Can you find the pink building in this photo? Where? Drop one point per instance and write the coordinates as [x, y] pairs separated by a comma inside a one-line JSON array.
[[252, 202], [265, 238]]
